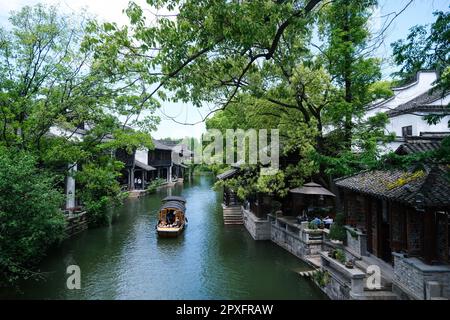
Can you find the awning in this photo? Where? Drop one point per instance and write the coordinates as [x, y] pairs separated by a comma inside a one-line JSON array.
[[174, 198], [227, 174], [173, 205], [144, 166], [312, 188]]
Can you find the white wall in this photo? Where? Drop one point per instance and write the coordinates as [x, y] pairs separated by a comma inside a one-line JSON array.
[[417, 122], [142, 155], [391, 146], [59, 132], [402, 95]]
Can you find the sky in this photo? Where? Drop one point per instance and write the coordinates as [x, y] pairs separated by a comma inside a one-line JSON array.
[[418, 12]]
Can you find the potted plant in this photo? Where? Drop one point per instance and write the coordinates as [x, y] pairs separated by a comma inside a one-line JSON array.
[[349, 264], [340, 256], [312, 225]]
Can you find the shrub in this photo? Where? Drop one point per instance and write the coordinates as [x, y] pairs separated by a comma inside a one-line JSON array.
[[30, 218], [340, 256], [100, 190], [154, 184], [312, 225], [337, 230], [322, 278]]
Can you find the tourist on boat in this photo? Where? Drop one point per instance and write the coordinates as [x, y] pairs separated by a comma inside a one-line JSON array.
[[170, 217]]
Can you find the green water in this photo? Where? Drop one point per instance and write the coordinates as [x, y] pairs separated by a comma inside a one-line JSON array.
[[208, 261]]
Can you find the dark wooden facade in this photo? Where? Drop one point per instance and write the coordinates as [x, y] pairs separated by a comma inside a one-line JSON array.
[[161, 158], [395, 227], [135, 175], [262, 204]]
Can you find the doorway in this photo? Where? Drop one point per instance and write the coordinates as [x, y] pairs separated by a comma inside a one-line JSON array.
[[384, 234]]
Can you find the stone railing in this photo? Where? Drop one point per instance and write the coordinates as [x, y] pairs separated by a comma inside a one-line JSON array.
[[259, 228], [352, 278], [294, 237], [414, 279], [356, 241]]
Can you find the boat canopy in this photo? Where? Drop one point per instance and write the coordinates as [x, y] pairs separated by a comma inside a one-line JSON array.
[[173, 205], [174, 198]]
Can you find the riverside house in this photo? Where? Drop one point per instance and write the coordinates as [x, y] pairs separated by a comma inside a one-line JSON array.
[[408, 106], [165, 162], [397, 221], [169, 159], [402, 218], [136, 174]]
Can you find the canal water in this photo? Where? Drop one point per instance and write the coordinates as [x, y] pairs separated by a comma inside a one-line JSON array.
[[209, 261]]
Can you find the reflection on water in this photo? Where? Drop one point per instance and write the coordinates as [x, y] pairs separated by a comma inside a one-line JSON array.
[[208, 261]]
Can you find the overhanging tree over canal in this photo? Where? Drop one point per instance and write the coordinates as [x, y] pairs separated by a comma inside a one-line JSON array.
[[60, 107], [258, 58]]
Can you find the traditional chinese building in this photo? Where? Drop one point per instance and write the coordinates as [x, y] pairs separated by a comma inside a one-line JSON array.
[[136, 174], [403, 219], [408, 106], [169, 160]]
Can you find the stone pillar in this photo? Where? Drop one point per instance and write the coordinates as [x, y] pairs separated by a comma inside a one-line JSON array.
[[169, 174], [131, 175], [357, 287], [70, 187]]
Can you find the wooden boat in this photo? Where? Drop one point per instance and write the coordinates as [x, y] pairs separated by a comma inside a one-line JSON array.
[[172, 220]]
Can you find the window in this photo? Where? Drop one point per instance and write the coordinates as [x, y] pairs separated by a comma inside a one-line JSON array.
[[407, 131]]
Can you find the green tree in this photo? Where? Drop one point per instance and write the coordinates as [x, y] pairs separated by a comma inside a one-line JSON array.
[[100, 189], [355, 141], [425, 47], [208, 51], [30, 218], [304, 94], [345, 33], [253, 60], [62, 101]]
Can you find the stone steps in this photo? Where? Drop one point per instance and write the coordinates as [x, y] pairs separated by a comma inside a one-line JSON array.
[[232, 215], [233, 219], [232, 211], [307, 274], [386, 278], [380, 295]]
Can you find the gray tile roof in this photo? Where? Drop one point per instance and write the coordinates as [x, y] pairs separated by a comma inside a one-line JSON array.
[[161, 146], [420, 104], [431, 184], [416, 147], [227, 174], [143, 166]]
